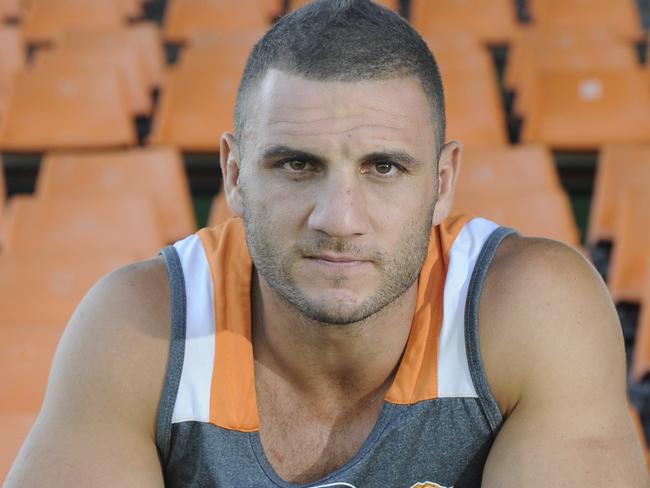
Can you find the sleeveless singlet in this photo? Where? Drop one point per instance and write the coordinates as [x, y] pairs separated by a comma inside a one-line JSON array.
[[438, 420]]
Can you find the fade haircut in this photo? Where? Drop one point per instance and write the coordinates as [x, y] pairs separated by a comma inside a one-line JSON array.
[[343, 40]]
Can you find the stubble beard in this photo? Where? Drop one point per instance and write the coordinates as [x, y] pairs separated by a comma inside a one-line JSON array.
[[398, 270]]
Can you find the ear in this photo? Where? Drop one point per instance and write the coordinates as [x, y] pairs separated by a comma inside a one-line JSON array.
[[448, 169], [230, 165]]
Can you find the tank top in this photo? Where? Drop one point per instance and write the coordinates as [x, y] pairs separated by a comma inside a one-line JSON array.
[[438, 420]]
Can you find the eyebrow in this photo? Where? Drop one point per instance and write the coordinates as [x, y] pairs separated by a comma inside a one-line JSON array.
[[286, 152]]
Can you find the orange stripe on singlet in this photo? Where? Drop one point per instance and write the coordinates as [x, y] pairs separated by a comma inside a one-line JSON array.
[[233, 402]]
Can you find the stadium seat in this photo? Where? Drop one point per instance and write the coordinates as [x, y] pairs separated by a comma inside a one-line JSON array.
[[65, 111], [621, 168], [493, 22], [14, 427], [26, 354], [583, 111], [585, 59], [218, 54], [116, 61], [45, 20], [641, 354], [542, 214], [391, 4], [143, 37], [460, 52], [44, 290], [638, 426], [100, 226], [514, 170], [219, 210], [195, 109], [155, 173], [533, 43], [621, 18], [184, 18], [630, 257], [475, 115], [12, 59]]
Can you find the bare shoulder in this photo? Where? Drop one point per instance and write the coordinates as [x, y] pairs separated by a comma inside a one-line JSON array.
[[544, 308], [97, 425]]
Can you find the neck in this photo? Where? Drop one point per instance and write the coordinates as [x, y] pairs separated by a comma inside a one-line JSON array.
[[324, 361]]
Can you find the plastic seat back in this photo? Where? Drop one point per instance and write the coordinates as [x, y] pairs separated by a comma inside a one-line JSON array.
[[65, 111], [10, 9], [544, 214], [196, 107], [621, 17], [493, 22], [185, 18], [45, 20], [630, 257], [156, 173], [98, 226], [123, 63], [621, 168], [517, 170], [14, 427], [583, 111], [45, 289]]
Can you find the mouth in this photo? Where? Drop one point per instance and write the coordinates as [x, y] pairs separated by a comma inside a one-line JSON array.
[[337, 261]]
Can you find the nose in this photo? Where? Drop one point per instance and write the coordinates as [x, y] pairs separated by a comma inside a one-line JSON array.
[[340, 209]]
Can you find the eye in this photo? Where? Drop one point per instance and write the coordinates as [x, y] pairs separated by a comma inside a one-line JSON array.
[[384, 168], [296, 166]]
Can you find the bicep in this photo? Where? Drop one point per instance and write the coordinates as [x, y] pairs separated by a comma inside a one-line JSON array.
[[562, 369], [97, 423]]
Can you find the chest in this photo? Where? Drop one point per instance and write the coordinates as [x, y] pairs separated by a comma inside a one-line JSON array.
[[304, 445]]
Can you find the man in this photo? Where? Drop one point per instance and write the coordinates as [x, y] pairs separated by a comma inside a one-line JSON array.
[[344, 332]]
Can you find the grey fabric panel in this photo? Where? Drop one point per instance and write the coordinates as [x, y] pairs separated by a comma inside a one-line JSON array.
[[176, 352], [485, 258], [445, 441]]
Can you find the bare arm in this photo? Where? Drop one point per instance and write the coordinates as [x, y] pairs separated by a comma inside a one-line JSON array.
[[97, 423], [554, 353]]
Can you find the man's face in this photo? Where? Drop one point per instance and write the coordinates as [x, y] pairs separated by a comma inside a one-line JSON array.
[[338, 188]]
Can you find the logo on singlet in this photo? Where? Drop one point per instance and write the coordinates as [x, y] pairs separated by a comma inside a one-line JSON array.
[[428, 484]]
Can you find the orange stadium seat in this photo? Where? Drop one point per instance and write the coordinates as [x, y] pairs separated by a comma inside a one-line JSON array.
[[391, 4], [125, 63], [142, 40], [583, 111], [26, 354], [621, 18], [12, 59], [475, 115], [621, 168], [641, 353], [45, 20], [100, 226], [630, 257], [219, 210], [614, 56], [14, 427], [65, 111], [154, 172], [460, 52], [184, 18], [218, 53], [10, 9], [44, 290], [535, 41], [493, 22], [195, 109], [542, 214], [507, 170]]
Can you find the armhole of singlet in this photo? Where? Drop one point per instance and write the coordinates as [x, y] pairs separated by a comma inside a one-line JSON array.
[[487, 401], [176, 352]]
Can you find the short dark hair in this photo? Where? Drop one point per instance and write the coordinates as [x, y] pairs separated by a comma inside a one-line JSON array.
[[343, 40]]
